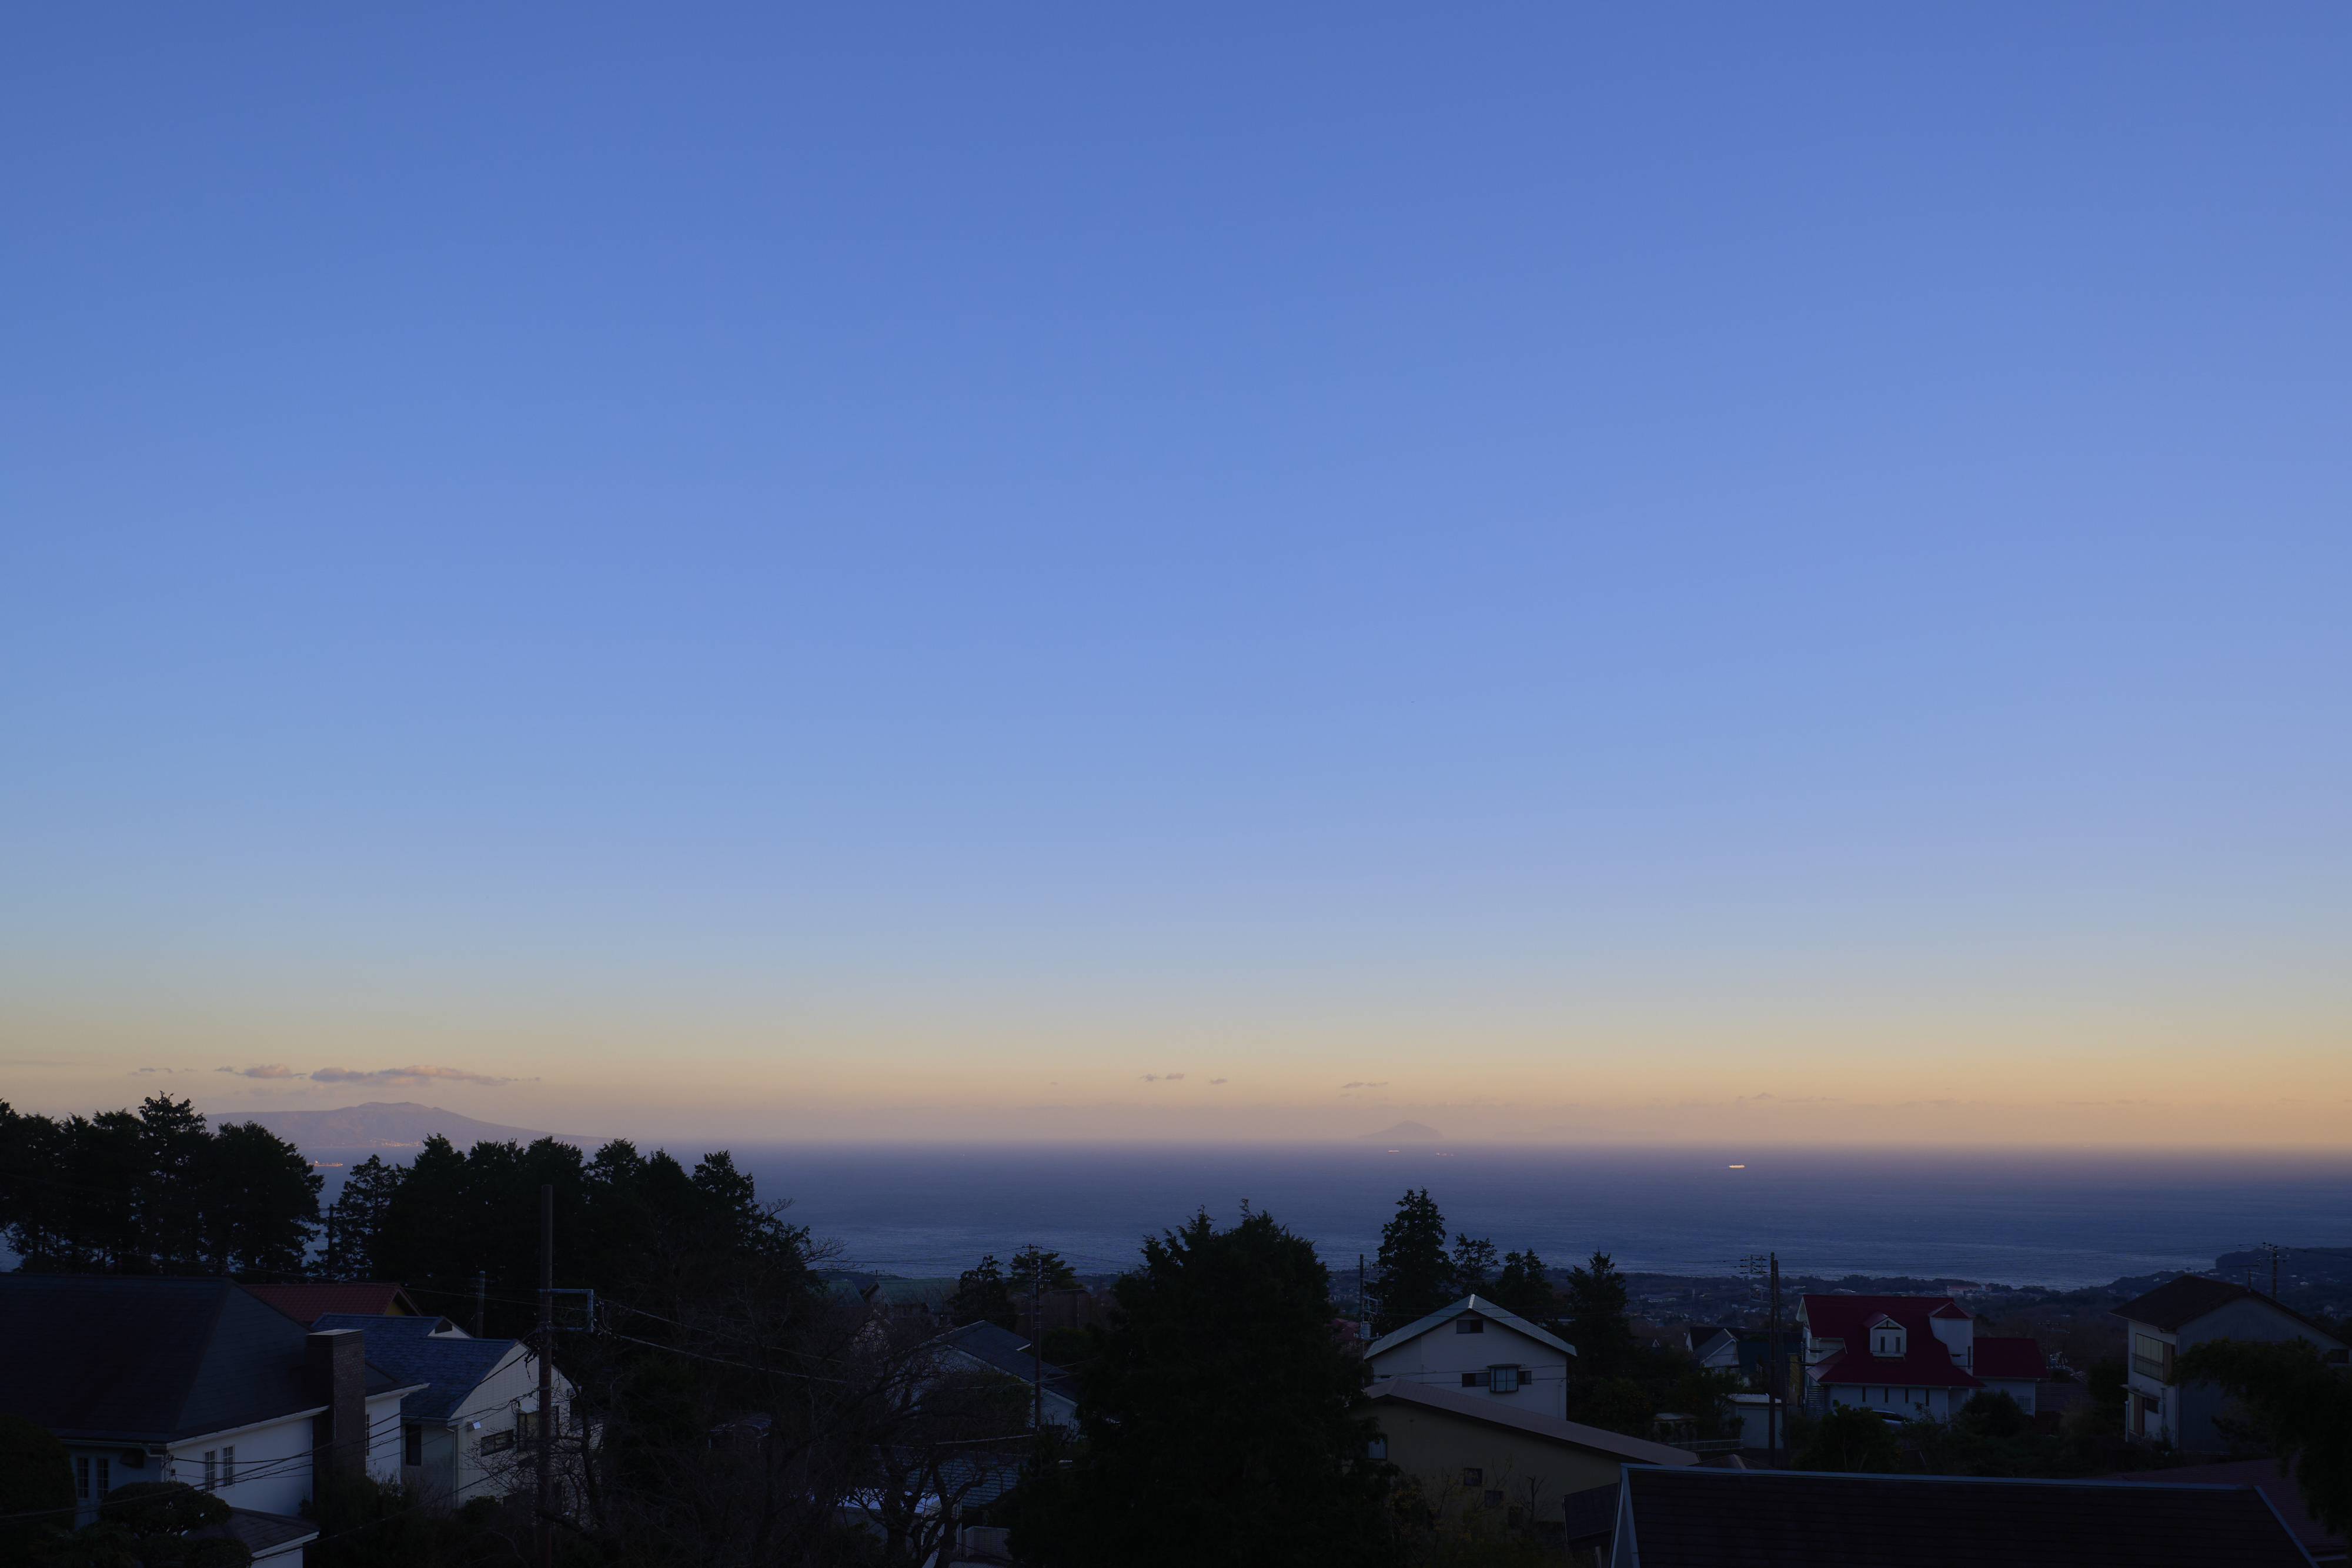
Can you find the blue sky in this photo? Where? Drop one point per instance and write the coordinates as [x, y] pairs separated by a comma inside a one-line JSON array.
[[956, 556]]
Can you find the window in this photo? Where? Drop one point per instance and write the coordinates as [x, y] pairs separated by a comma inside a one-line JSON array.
[[1494, 1499], [1473, 1477], [98, 1468], [1378, 1449], [228, 1466], [1473, 1380], [211, 1468], [411, 1444], [1503, 1379], [81, 1477], [1467, 1324], [496, 1442], [2151, 1357]]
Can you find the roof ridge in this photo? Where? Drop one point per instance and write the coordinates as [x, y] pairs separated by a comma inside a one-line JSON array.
[[195, 1363]]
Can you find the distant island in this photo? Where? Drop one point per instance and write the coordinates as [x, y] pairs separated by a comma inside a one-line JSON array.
[[1405, 1133], [387, 1125]]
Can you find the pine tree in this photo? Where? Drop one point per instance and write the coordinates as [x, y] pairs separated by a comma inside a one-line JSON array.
[[1415, 1277], [1596, 1318], [1522, 1287]]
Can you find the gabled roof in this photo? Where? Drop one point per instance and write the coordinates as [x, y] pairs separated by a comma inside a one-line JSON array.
[[1705, 1518], [2177, 1303], [2017, 1357], [149, 1360], [1518, 1418], [1926, 1361], [305, 1303], [1004, 1350], [450, 1366], [1446, 1314]]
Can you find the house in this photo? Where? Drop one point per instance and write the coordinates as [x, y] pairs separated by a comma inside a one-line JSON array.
[[308, 1301], [197, 1381], [986, 1347], [472, 1407], [1703, 1518], [1908, 1356], [1490, 1453], [1478, 1349], [1713, 1348], [2188, 1312]]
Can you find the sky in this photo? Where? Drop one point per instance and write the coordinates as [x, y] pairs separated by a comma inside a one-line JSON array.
[[1016, 571]]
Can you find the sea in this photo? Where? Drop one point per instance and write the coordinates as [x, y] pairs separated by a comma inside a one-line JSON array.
[[2059, 1219]]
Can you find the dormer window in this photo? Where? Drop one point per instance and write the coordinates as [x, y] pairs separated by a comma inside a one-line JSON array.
[[1886, 1338]]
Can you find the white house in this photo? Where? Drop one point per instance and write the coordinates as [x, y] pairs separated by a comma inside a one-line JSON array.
[[1908, 1356], [195, 1381], [2187, 1312], [472, 1404], [1475, 1347], [984, 1347]]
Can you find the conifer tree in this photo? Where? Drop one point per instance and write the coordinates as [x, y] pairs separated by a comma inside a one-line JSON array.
[[1415, 1275]]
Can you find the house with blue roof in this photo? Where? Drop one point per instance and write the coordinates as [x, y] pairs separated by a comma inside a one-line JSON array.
[[466, 1430]]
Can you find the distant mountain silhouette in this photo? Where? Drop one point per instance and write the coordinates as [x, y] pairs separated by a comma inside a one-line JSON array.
[[380, 1124], [1405, 1133]]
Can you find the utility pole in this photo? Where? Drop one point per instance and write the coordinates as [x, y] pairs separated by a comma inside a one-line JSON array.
[[481, 1298], [1776, 1420], [1363, 1316], [2274, 1248], [1036, 1335], [546, 1377]]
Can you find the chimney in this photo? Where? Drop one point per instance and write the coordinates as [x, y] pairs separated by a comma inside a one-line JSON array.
[[334, 1373]]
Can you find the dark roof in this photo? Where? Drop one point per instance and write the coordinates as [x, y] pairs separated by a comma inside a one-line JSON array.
[[108, 1359], [2177, 1303], [1518, 1418], [450, 1368], [2017, 1357], [307, 1302], [1925, 1362], [261, 1532], [1002, 1349], [2264, 1475], [1708, 1518]]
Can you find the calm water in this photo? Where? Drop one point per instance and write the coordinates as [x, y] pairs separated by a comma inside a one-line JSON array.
[[2020, 1219]]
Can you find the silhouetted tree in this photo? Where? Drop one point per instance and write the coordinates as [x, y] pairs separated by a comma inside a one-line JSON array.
[[1414, 1275], [2299, 1403], [1596, 1318], [1520, 1287]]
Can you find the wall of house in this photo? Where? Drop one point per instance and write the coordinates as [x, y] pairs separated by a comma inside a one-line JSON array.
[[273, 1465], [2189, 1413], [1958, 1336], [496, 1404], [1435, 1446], [1441, 1358]]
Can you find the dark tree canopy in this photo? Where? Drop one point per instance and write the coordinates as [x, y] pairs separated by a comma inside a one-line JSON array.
[[1414, 1275], [983, 1295], [2300, 1405], [1220, 1419], [1596, 1318], [153, 1192], [1851, 1438], [1520, 1287], [1472, 1263]]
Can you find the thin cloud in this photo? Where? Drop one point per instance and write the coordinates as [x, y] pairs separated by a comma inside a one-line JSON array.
[[1175, 1076], [1218, 1081], [1360, 1084], [394, 1076], [274, 1069], [1151, 1078]]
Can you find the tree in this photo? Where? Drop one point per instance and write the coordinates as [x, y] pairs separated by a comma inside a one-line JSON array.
[[981, 1295], [1471, 1263], [1596, 1318], [2300, 1405], [1415, 1275], [150, 1524], [1522, 1288], [1220, 1420], [1033, 1264], [35, 1485], [355, 1222], [261, 1201], [1850, 1439]]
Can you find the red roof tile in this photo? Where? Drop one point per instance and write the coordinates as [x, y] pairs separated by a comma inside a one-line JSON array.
[[1926, 1361], [307, 1303], [2017, 1357]]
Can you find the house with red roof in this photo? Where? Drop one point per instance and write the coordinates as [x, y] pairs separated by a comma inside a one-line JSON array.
[[309, 1300], [1910, 1356]]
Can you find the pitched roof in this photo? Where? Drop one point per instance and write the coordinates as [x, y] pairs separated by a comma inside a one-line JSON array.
[[1925, 1362], [1518, 1418], [1002, 1349], [1446, 1314], [149, 1360], [2177, 1303], [1708, 1518], [2010, 1357], [451, 1367], [304, 1302], [2264, 1475]]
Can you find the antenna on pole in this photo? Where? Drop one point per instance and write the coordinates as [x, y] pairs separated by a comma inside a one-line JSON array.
[[2274, 1248], [1036, 1334], [546, 1377]]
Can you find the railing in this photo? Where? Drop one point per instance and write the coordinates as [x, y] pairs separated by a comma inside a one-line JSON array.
[[1708, 1444]]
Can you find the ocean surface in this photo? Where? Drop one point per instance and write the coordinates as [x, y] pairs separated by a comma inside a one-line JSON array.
[[2013, 1218]]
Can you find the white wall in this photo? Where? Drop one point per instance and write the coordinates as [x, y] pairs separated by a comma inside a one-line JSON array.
[[1441, 1356], [273, 1465]]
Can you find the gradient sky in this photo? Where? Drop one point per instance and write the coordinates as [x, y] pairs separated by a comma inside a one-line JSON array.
[[1569, 572]]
